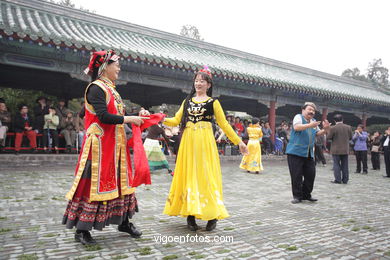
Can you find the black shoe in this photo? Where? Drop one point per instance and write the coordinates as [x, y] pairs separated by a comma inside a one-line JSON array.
[[311, 199], [365, 172], [357, 172], [16, 152], [337, 182], [130, 229], [296, 200], [191, 224], [211, 225], [85, 238], [384, 176], [35, 150]]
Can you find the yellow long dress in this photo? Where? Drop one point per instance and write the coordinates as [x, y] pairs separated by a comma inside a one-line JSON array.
[[196, 187], [252, 161]]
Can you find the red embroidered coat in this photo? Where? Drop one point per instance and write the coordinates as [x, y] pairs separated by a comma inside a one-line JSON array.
[[105, 146]]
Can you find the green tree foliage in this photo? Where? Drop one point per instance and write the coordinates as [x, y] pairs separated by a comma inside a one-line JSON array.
[[74, 105], [377, 73], [68, 3], [15, 97], [354, 73], [191, 31], [377, 127]]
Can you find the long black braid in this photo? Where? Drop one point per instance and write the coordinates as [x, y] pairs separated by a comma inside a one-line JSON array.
[[184, 118]]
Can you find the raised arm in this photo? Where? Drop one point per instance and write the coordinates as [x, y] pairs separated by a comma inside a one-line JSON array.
[[224, 124], [174, 121]]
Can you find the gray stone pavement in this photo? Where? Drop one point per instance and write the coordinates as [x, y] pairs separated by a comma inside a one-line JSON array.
[[348, 222]]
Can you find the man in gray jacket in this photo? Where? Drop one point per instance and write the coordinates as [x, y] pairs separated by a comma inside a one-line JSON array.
[[340, 134]]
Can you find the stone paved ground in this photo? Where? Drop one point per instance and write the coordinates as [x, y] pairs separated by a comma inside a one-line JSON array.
[[348, 222]]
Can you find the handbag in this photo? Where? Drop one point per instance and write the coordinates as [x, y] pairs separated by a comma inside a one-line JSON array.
[[375, 148]]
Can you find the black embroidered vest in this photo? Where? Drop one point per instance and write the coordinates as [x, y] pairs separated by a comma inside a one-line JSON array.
[[202, 111]]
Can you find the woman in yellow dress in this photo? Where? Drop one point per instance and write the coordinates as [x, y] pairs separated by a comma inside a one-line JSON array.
[[196, 189], [252, 161]]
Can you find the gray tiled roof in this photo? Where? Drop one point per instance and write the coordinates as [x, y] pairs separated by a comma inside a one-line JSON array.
[[47, 22]]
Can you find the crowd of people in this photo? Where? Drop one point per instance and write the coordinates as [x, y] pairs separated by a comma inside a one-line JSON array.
[[103, 190], [42, 125], [47, 122], [268, 146]]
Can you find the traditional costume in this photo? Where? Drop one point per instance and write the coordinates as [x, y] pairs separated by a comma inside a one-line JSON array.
[[103, 191], [252, 161], [196, 189], [155, 155]]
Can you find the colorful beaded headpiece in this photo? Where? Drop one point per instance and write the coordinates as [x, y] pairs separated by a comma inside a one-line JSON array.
[[206, 70], [99, 59]]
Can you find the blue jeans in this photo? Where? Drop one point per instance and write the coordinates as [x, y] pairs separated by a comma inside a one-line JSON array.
[[340, 168]]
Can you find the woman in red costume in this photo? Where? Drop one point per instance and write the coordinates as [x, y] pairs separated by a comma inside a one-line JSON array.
[[102, 192]]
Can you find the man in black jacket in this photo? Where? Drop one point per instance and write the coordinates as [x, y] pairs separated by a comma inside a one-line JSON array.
[[23, 125], [40, 110], [385, 143]]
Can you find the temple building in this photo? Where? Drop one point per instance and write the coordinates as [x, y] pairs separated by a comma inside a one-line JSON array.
[[45, 46]]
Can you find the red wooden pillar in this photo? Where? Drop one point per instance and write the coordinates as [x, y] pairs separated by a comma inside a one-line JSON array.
[[324, 113], [271, 119]]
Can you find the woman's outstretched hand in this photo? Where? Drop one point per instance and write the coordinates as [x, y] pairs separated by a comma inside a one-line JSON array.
[[143, 112], [137, 120], [243, 148]]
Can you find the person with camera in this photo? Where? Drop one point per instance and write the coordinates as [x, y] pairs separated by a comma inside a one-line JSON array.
[[300, 152], [50, 129], [360, 138]]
